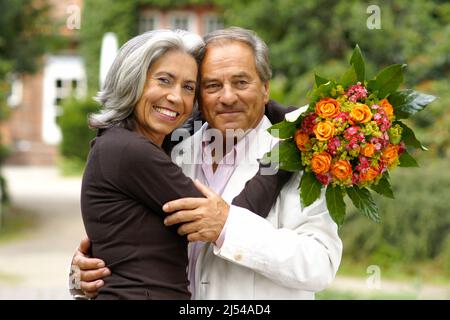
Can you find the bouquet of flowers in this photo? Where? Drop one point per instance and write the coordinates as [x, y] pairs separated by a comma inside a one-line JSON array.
[[350, 137]]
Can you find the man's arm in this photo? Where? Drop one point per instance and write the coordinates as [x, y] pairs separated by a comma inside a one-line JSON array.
[[91, 271], [302, 252]]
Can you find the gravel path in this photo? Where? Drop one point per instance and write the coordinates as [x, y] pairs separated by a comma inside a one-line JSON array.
[[35, 266]]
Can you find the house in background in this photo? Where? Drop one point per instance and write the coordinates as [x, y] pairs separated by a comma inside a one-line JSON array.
[[31, 130]]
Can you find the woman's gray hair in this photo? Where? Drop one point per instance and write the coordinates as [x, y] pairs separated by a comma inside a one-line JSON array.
[[126, 78], [260, 49]]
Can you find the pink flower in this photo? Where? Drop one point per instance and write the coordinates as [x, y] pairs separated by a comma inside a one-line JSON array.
[[308, 123], [350, 132], [356, 92], [363, 165], [355, 178], [333, 144], [343, 116], [401, 148], [324, 179]]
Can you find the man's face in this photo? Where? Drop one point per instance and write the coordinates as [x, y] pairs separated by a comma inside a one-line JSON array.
[[232, 96]]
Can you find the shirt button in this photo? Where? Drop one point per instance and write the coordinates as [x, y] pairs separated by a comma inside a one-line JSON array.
[[238, 256]]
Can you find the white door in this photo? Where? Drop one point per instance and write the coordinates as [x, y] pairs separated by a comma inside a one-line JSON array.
[[63, 76]]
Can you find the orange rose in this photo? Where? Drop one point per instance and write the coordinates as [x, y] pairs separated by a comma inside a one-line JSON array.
[[390, 154], [324, 130], [384, 103], [369, 175], [328, 108], [360, 113], [301, 139], [342, 170], [321, 162], [368, 150]]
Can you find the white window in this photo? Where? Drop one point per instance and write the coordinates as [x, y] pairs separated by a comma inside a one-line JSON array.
[[182, 20], [148, 20], [65, 88], [212, 23], [180, 23], [15, 95]]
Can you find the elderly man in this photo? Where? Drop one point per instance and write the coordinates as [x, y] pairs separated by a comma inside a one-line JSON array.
[[237, 254]]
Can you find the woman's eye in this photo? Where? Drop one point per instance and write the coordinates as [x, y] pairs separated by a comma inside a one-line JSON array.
[[163, 80]]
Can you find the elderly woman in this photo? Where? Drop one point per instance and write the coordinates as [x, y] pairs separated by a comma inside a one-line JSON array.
[[149, 91]]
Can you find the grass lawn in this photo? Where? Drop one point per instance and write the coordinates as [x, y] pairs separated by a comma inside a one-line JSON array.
[[14, 223]]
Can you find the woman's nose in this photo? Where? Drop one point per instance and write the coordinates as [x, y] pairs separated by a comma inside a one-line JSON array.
[[174, 97]]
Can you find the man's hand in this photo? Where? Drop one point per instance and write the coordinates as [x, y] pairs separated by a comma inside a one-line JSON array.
[[202, 219], [92, 270]]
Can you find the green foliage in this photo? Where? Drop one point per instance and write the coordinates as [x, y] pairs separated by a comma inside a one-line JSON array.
[[409, 137], [387, 81], [409, 102], [357, 61], [284, 155], [363, 201], [309, 189], [335, 203], [25, 34], [406, 160], [415, 227], [383, 187], [283, 129], [305, 34], [349, 77], [76, 134]]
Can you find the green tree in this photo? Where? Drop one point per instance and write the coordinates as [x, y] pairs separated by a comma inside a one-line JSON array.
[[25, 34], [75, 133], [303, 35]]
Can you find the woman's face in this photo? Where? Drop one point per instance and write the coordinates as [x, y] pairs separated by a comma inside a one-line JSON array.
[[168, 95]]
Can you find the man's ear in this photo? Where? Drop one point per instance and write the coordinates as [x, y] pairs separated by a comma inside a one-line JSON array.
[[266, 91]]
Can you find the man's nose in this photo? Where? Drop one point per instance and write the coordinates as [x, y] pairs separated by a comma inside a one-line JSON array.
[[228, 96]]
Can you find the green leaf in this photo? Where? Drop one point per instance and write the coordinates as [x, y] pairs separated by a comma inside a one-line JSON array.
[[320, 80], [383, 187], [283, 129], [309, 188], [335, 204], [387, 81], [349, 77], [322, 91], [408, 102], [409, 137], [363, 201], [284, 155], [357, 61], [407, 160]]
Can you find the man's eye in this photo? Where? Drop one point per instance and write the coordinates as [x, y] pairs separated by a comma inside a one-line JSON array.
[[212, 86], [242, 83], [189, 88]]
